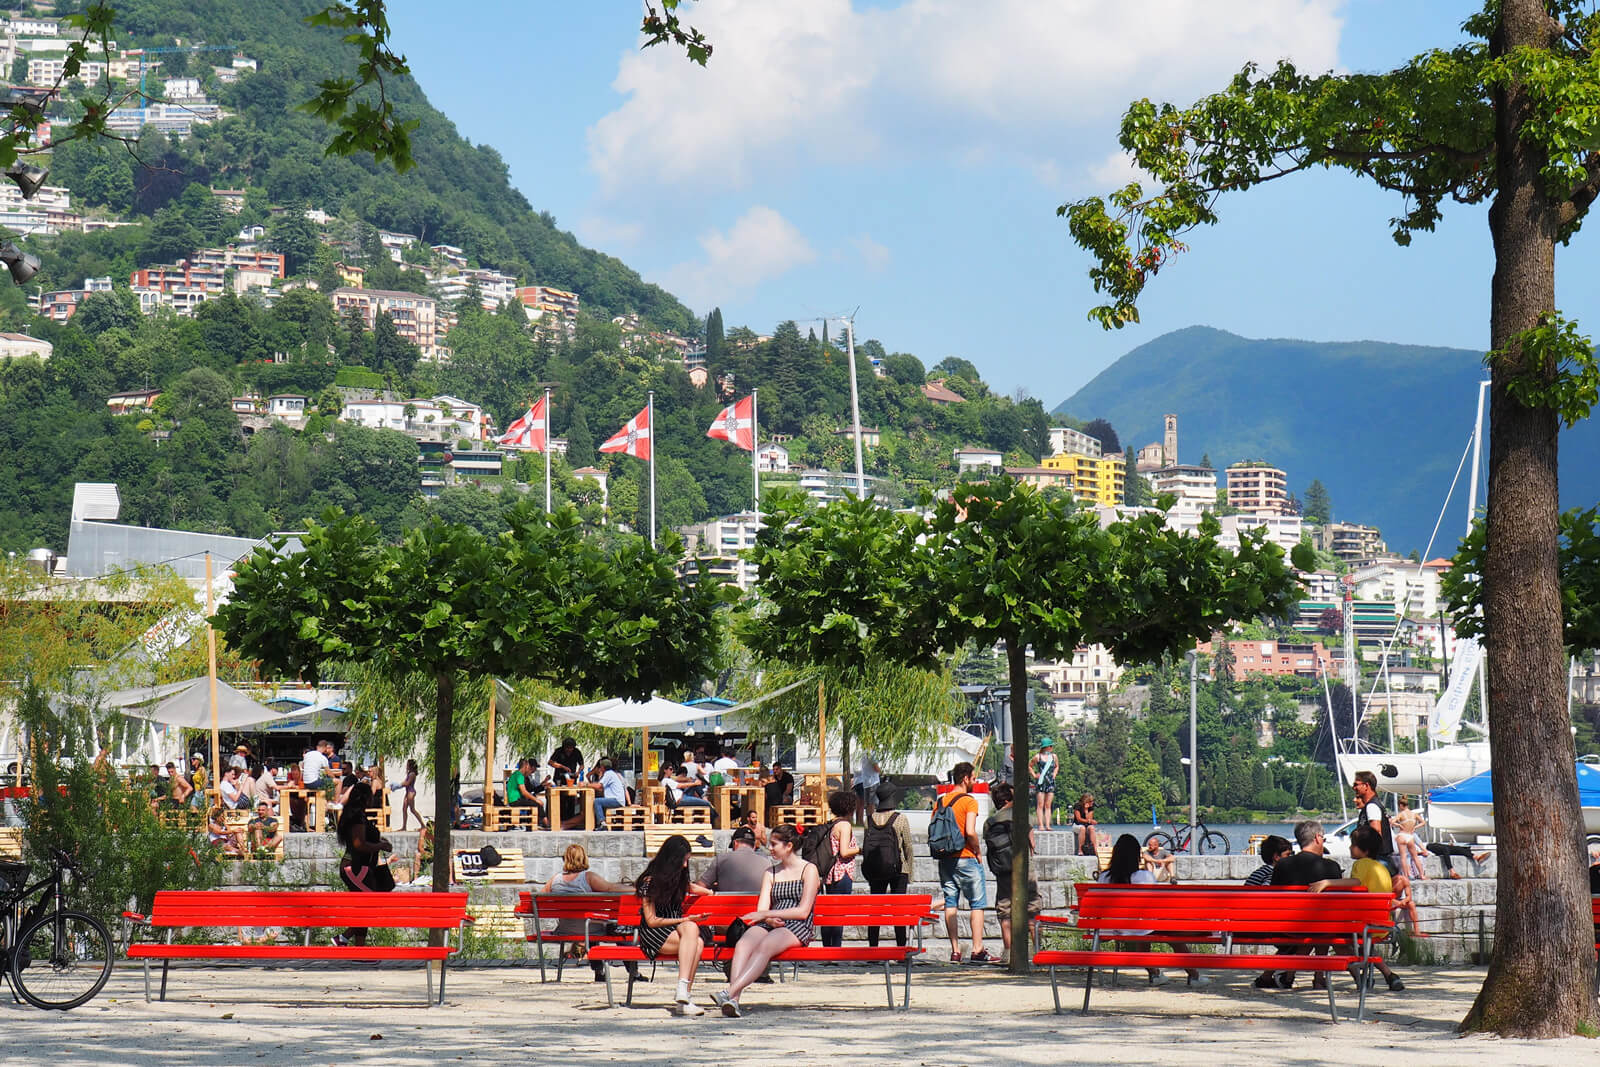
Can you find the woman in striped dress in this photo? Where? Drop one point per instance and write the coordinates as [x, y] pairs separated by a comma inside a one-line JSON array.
[[781, 921]]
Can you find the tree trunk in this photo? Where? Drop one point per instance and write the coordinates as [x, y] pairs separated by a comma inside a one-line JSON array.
[[1540, 980], [1021, 810], [443, 775]]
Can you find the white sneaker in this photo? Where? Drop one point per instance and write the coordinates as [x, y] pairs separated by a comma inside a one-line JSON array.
[[1159, 978], [689, 1008], [1199, 979], [683, 996]]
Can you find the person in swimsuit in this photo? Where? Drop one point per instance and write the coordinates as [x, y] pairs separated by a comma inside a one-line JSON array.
[[1406, 823], [663, 930], [408, 806], [781, 921], [1043, 768]]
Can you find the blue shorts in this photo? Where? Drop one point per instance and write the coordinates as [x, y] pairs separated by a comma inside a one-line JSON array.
[[963, 878]]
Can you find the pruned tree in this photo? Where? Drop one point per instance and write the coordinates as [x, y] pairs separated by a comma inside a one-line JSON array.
[[541, 601], [1508, 118], [1000, 563]]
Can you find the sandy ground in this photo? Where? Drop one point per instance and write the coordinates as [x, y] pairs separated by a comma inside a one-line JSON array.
[[314, 1014]]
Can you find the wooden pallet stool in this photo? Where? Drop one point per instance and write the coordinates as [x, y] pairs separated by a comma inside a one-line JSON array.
[[799, 816], [701, 843], [466, 865], [11, 843], [634, 817], [693, 816], [498, 921]]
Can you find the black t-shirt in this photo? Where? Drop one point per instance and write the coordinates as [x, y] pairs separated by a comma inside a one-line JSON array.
[[1303, 868], [1594, 880], [571, 758], [780, 789]]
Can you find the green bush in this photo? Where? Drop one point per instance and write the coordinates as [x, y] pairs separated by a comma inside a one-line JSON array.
[[124, 852], [358, 378]]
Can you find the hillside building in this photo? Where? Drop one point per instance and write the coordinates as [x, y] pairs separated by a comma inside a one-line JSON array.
[[1349, 541], [1077, 684], [1257, 488], [1041, 477], [1095, 480], [1413, 588], [415, 316], [936, 392], [715, 550], [983, 460], [17, 345], [1066, 439], [1278, 658], [1195, 488]]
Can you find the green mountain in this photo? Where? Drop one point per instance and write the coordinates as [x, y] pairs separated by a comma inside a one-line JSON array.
[[1382, 425]]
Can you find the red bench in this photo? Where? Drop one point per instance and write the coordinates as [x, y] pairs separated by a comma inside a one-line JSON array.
[[594, 910], [719, 910], [1231, 918], [175, 910]]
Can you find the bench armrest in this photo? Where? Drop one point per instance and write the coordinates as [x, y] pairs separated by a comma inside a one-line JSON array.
[[135, 917]]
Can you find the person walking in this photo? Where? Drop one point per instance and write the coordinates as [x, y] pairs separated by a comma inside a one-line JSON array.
[[866, 785], [886, 856], [839, 880], [361, 868], [782, 919], [961, 874], [663, 929], [1042, 768]]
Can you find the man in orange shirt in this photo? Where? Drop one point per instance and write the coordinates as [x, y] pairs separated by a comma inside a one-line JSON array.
[[963, 876]]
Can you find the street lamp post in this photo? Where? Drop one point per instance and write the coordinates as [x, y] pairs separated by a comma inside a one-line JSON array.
[[1194, 749]]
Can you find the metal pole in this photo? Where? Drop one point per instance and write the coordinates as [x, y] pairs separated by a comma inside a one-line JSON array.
[[1472, 510], [650, 405], [211, 673], [855, 404], [755, 453], [1194, 747], [547, 422]]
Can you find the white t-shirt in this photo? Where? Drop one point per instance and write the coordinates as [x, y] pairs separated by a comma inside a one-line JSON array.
[[868, 777], [1140, 877], [725, 763], [312, 765], [230, 793], [614, 787], [691, 769]]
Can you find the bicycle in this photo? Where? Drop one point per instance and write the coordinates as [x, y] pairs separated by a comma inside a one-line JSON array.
[[52, 957], [1206, 842]]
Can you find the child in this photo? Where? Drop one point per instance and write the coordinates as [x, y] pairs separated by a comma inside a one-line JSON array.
[[1371, 873]]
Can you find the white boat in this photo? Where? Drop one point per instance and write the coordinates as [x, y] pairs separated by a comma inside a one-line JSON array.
[[1467, 808], [1418, 772]]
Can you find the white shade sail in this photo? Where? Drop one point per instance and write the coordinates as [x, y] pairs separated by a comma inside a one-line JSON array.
[[189, 706]]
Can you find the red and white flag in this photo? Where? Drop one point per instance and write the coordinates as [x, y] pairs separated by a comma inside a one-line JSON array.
[[737, 424], [528, 432], [633, 439]]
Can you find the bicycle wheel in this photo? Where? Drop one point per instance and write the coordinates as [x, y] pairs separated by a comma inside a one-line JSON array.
[[1165, 838], [1213, 844], [61, 960]]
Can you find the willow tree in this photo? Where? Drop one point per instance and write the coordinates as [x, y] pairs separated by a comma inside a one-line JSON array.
[[539, 601], [853, 584], [1511, 118]]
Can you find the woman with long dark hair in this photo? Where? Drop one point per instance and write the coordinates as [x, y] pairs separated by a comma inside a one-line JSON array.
[[1127, 868], [359, 867], [663, 931], [782, 919]]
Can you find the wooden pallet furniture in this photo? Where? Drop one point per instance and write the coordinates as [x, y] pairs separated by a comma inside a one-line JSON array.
[[316, 807], [701, 843], [502, 817], [589, 917], [1239, 917], [497, 920], [585, 796], [731, 801], [635, 817], [466, 865], [800, 816], [10, 843], [192, 820], [718, 910], [176, 910]]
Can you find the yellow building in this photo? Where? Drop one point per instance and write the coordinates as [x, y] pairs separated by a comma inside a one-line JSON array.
[[1095, 479]]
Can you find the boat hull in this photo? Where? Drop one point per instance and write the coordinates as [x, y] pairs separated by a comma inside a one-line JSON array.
[[1467, 819], [1418, 772]]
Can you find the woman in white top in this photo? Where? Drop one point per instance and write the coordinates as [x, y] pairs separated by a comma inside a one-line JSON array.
[[1127, 868]]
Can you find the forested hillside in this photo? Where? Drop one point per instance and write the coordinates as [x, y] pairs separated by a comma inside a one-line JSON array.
[[188, 463]]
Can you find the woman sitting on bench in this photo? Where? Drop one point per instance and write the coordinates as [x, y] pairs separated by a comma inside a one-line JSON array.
[[1127, 868], [781, 921], [664, 931]]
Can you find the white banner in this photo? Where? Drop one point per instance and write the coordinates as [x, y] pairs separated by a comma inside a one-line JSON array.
[[1445, 722]]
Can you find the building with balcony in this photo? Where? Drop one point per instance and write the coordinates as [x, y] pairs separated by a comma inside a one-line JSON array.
[[1413, 588], [772, 458], [1306, 660], [982, 460], [1095, 479], [1041, 477], [1076, 684], [1195, 488], [826, 486], [415, 317], [1349, 540], [1256, 488], [1285, 531], [548, 306], [494, 288], [715, 549], [1066, 439]]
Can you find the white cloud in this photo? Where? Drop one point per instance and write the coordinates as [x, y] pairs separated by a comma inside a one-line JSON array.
[[1117, 170], [874, 256], [1030, 80], [760, 246], [601, 232]]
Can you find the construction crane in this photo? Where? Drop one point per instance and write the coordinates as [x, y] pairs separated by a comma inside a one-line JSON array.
[[144, 64]]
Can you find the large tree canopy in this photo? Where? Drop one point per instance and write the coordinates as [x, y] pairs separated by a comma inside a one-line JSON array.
[[540, 601], [1509, 118]]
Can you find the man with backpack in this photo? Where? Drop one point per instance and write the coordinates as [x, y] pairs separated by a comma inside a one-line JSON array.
[[886, 857], [953, 842], [997, 848]]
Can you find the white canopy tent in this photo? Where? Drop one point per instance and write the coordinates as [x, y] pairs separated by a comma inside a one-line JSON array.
[[188, 705]]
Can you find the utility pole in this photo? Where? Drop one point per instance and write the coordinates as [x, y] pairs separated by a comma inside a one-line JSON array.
[[1194, 747]]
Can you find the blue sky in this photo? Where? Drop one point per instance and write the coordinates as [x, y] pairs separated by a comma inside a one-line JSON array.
[[907, 157]]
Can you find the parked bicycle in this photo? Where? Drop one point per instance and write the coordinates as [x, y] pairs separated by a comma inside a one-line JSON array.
[[52, 957], [1181, 838]]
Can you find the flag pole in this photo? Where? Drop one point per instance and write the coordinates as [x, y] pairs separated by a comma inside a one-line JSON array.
[[650, 408], [755, 452], [855, 404], [547, 421]]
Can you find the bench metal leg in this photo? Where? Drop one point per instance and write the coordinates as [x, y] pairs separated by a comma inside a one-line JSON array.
[[907, 1005], [611, 1000], [1055, 992], [147, 981], [538, 946], [1088, 987], [427, 970], [1333, 1012], [165, 964], [888, 984], [443, 965]]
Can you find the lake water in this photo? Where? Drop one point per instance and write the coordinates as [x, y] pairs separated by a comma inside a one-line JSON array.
[[1238, 834]]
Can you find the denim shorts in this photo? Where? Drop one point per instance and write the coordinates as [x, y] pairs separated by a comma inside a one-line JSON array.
[[963, 878]]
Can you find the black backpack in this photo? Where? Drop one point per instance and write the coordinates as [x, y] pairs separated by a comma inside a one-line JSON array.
[[880, 850], [997, 845], [816, 847]]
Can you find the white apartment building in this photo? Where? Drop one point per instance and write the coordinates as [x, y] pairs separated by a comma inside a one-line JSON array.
[[1195, 488], [1076, 684], [29, 26], [176, 120], [826, 486], [1413, 588], [49, 212], [494, 288], [1066, 439], [718, 548], [1285, 531], [983, 460], [443, 418], [15, 345], [51, 69]]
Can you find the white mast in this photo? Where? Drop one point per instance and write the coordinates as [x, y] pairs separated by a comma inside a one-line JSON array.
[[855, 404]]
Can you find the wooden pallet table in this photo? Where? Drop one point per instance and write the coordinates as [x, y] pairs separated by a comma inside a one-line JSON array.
[[585, 798], [634, 817], [498, 921], [732, 800], [10, 843], [316, 806]]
